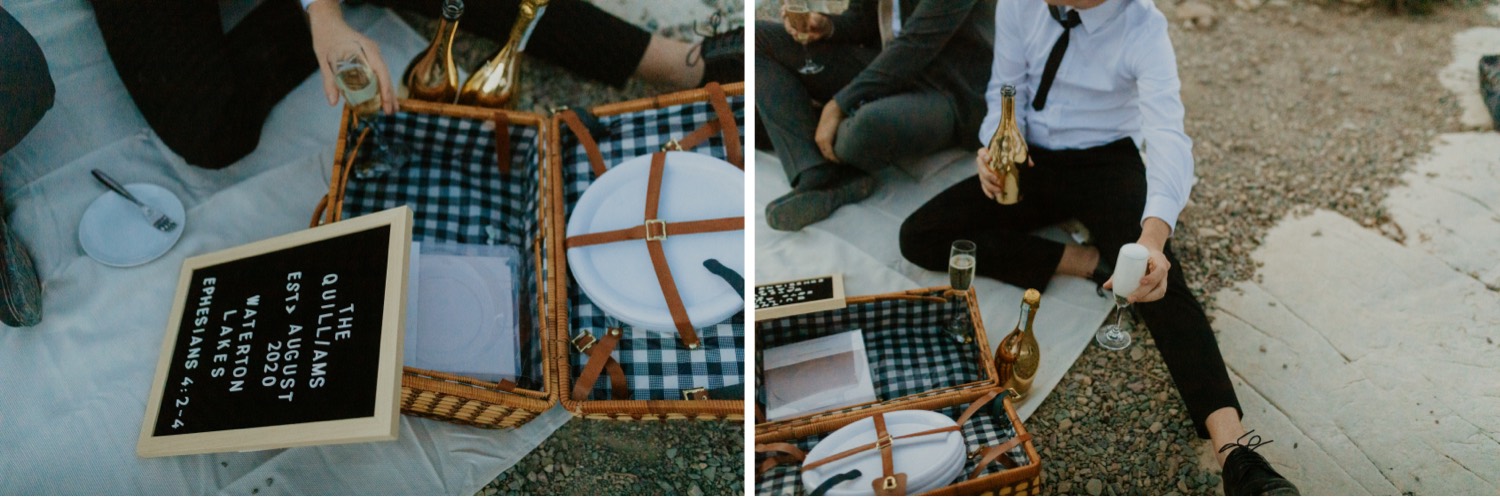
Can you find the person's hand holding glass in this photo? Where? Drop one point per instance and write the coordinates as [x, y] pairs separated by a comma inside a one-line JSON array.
[[352, 67], [806, 25]]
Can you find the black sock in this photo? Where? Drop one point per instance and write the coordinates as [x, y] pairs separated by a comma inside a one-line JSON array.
[[816, 177]]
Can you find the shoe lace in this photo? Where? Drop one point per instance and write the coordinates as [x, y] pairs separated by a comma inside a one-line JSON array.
[[1248, 441]]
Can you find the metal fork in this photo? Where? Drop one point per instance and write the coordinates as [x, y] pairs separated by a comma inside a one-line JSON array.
[[158, 220]]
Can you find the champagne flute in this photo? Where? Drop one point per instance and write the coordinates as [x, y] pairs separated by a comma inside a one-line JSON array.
[[1130, 267], [798, 12], [961, 263], [357, 82]]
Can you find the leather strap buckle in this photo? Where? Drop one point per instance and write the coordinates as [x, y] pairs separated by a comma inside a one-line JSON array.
[[584, 340], [884, 442], [656, 230], [694, 393], [672, 146], [889, 483]]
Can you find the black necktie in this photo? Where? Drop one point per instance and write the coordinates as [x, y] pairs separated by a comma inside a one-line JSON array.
[[1054, 59]]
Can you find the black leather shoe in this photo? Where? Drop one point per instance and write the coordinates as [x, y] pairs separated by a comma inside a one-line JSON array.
[[722, 53], [1247, 473], [798, 209]]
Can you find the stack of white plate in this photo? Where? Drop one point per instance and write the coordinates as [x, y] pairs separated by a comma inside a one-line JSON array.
[[929, 461], [619, 277]]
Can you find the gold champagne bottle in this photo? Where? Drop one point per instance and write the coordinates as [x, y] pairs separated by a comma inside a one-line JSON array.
[[1007, 148], [496, 84], [432, 76], [1019, 356]]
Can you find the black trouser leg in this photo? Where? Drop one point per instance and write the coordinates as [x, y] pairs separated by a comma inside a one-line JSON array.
[[26, 89], [1004, 249], [783, 97], [573, 34], [1108, 194], [206, 93]]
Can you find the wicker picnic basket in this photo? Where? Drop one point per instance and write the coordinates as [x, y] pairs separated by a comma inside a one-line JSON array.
[[476, 168], [706, 120], [904, 336]]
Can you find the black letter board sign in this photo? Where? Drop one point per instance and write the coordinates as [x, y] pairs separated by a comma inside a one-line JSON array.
[[790, 298], [285, 342]]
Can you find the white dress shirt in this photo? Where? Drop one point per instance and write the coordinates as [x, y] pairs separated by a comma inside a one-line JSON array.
[[1118, 78]]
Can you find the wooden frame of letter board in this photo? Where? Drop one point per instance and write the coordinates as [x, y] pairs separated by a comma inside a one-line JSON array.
[[382, 426], [1025, 480], [460, 399], [624, 410]]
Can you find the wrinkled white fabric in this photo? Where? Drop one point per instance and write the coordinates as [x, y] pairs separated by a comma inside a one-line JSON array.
[[73, 389], [860, 241]]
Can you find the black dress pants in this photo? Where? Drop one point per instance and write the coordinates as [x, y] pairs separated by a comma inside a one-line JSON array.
[[1105, 189], [26, 89], [207, 93]]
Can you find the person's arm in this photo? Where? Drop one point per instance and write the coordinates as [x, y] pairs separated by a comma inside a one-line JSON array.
[[1169, 151], [859, 24], [1009, 68], [903, 60], [329, 30]]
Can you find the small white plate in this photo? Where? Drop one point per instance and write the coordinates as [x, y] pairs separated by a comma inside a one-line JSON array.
[[114, 232]]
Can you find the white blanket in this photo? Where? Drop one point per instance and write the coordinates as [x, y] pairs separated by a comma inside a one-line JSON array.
[[860, 241], [74, 388]]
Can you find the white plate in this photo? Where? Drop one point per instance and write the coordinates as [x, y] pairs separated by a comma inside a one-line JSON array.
[[619, 277], [464, 323], [929, 461], [114, 232]]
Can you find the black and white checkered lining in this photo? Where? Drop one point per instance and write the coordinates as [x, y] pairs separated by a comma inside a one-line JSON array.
[[656, 368], [908, 350], [457, 194], [982, 430]]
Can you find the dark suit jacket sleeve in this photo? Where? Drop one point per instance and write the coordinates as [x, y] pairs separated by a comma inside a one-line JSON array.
[[923, 35], [858, 25]]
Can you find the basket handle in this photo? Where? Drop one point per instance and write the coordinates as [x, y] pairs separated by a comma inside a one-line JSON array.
[[331, 206]]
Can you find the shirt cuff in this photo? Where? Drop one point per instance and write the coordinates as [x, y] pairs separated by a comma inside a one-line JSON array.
[[1164, 208], [308, 3]]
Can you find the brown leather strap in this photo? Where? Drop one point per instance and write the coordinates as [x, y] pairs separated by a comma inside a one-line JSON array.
[[659, 256], [506, 385], [502, 142], [974, 407], [890, 482], [599, 359], [785, 454], [732, 148], [995, 452], [596, 159], [640, 232]]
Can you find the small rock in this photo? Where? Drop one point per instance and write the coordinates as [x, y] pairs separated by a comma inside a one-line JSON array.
[[1137, 353], [695, 490], [1136, 387], [1156, 427], [1065, 424], [1195, 15], [1065, 487], [1094, 486]]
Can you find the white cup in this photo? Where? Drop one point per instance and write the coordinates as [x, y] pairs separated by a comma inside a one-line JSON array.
[[1130, 267]]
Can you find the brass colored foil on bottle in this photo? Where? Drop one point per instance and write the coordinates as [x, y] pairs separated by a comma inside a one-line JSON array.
[[1007, 148], [1019, 356], [496, 84], [432, 76]]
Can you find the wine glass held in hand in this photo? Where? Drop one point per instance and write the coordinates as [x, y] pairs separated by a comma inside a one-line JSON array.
[[1130, 267], [799, 15], [961, 263], [357, 82]]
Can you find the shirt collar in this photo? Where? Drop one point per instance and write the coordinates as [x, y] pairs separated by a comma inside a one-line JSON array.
[[1100, 15]]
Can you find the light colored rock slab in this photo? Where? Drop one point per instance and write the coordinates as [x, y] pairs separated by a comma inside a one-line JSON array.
[[1450, 206], [1462, 75], [1381, 357]]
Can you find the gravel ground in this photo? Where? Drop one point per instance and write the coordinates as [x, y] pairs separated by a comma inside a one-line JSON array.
[[1292, 105], [587, 457]]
